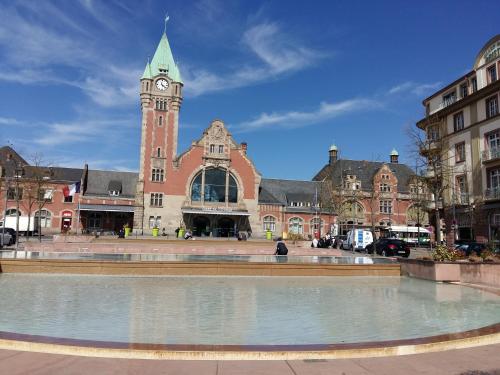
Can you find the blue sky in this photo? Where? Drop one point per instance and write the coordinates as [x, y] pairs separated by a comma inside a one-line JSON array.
[[290, 78]]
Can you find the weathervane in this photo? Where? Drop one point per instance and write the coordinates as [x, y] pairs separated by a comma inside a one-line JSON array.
[[166, 20]]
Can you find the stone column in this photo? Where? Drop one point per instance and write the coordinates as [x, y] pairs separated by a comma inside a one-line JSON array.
[[226, 191], [203, 186]]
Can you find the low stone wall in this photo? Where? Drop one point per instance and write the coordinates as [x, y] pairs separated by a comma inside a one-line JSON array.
[[471, 273], [200, 247], [482, 273], [102, 267]]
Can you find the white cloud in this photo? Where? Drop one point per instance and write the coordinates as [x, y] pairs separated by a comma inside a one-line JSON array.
[[276, 54], [65, 133], [35, 51], [295, 119], [280, 53], [10, 121], [418, 89]]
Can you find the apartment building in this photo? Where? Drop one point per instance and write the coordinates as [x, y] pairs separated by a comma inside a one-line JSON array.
[[462, 147]]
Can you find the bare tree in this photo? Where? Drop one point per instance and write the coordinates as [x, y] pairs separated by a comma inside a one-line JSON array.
[[331, 198], [431, 155], [35, 189]]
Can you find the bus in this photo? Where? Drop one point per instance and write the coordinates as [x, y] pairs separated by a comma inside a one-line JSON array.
[[412, 235]]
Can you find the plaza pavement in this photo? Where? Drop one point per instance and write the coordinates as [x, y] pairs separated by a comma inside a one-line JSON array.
[[483, 360]]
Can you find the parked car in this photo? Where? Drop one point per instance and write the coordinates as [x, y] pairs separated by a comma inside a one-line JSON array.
[[390, 247], [471, 247], [339, 240], [5, 239], [13, 235]]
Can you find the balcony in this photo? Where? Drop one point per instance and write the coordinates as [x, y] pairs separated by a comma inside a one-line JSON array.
[[462, 198], [429, 146], [492, 193], [491, 154]]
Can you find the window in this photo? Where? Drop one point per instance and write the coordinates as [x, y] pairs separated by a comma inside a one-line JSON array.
[[494, 143], [11, 193], [460, 152], [94, 220], [494, 180], [433, 133], [473, 83], [157, 175], [114, 193], [385, 177], [212, 149], [68, 199], [215, 186], [154, 222], [221, 149], [158, 152], [156, 200], [161, 105], [492, 73], [449, 98], [316, 225], [458, 121], [296, 225], [386, 206], [269, 223], [461, 189], [43, 219], [463, 90], [160, 121], [45, 195], [491, 106], [13, 212], [385, 187]]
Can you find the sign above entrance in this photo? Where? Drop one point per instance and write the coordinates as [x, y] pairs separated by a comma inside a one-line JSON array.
[[214, 211]]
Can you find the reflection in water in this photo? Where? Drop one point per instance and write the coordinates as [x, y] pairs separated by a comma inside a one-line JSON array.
[[239, 310], [309, 259]]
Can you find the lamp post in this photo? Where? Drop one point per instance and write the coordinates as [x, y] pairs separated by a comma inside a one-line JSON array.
[[17, 175], [5, 207]]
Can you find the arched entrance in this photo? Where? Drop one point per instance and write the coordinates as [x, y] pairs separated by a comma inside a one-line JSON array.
[[225, 227], [201, 226], [66, 221]]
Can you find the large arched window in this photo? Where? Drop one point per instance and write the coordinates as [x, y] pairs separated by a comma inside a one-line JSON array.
[[296, 225], [43, 219], [269, 223], [215, 188]]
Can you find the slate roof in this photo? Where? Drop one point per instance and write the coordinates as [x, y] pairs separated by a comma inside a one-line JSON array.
[[365, 171], [281, 192], [98, 183], [9, 158]]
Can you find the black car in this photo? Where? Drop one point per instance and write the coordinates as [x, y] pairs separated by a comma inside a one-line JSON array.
[[390, 247], [471, 247], [13, 236]]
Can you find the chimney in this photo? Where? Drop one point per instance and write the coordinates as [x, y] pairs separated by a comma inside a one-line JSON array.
[[332, 152], [244, 147], [394, 156]]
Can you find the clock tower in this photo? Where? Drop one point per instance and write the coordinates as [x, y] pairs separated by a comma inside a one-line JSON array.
[[161, 98]]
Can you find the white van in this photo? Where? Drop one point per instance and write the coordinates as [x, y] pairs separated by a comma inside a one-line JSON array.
[[357, 239], [11, 222]]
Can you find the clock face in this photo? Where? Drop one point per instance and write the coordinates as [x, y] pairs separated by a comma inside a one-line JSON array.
[[162, 84]]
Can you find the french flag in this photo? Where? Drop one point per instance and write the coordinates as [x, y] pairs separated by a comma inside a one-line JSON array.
[[71, 190]]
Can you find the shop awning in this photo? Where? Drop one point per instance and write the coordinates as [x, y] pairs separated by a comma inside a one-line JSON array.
[[106, 208], [214, 212]]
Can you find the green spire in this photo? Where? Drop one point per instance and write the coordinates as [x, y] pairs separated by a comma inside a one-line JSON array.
[[147, 71], [164, 60]]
